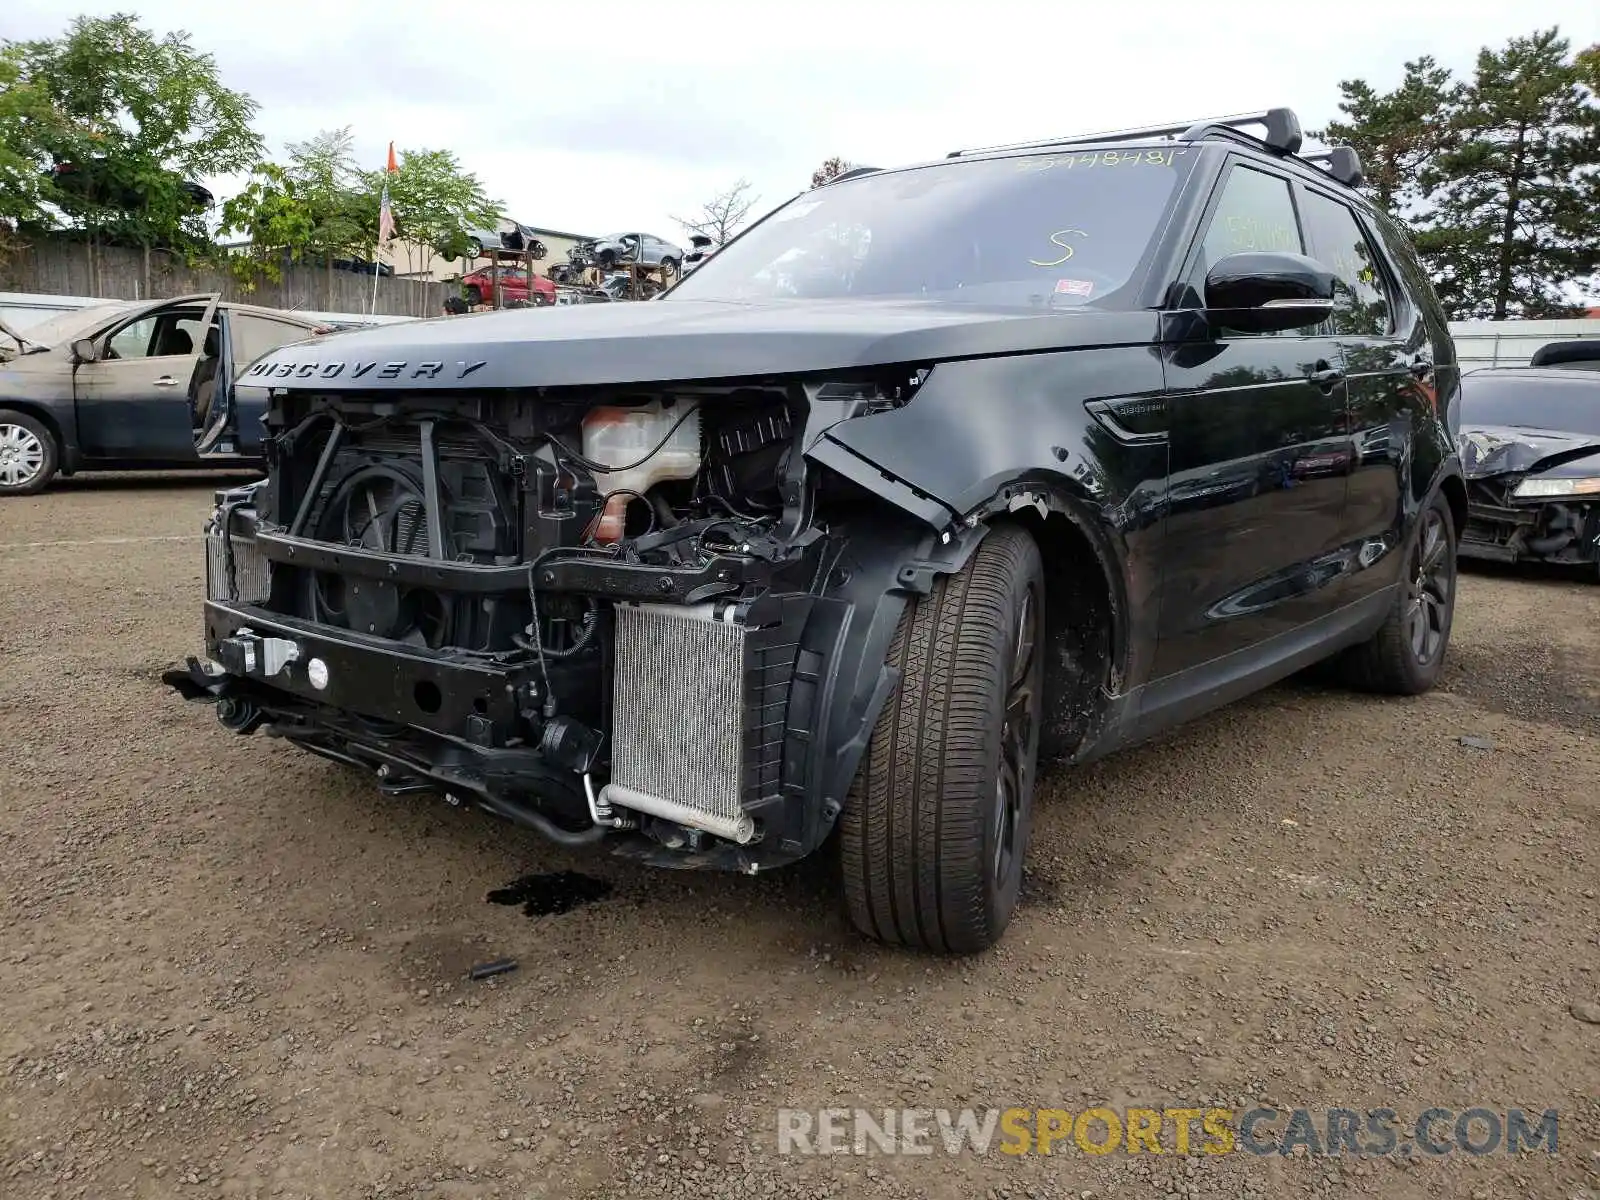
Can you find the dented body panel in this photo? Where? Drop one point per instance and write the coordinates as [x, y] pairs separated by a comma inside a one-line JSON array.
[[1530, 449]]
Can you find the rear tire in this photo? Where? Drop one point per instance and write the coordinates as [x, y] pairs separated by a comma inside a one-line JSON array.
[[474, 295], [29, 455], [934, 832], [1405, 656]]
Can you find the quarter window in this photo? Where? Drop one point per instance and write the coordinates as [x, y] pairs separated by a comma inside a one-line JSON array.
[[1361, 302]]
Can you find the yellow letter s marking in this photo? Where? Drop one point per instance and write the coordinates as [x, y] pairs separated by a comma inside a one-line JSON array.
[[1055, 239]]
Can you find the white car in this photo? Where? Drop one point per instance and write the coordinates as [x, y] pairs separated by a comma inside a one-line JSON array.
[[643, 248]]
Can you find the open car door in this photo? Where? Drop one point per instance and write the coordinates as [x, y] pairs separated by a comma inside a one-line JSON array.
[[134, 382], [227, 411]]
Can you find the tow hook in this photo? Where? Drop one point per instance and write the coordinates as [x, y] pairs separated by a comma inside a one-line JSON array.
[[196, 680]]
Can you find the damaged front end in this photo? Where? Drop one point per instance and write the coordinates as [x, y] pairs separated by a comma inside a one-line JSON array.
[[640, 615], [1531, 496]]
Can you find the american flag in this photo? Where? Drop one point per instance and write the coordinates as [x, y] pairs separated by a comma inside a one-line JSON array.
[[385, 213]]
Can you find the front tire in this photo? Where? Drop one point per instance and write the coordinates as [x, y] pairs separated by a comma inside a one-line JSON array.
[[936, 826], [29, 455], [1405, 656], [474, 295]]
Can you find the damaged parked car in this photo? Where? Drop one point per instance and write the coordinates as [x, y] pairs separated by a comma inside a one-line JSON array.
[[878, 510], [129, 386], [1530, 447], [645, 249]]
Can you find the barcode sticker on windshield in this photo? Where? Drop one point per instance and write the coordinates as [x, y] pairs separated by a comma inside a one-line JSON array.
[[1074, 287]]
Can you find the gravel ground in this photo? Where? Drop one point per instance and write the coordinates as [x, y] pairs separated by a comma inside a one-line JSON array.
[[233, 970]]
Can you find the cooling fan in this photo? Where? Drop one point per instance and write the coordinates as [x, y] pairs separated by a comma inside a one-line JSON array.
[[378, 508]]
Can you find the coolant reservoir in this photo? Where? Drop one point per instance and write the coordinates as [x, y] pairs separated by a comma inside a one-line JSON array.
[[619, 437]]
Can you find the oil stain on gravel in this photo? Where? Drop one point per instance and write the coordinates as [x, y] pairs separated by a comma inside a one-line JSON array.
[[552, 893]]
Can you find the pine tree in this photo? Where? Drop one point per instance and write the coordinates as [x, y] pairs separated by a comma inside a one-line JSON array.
[[1514, 223], [1399, 134]]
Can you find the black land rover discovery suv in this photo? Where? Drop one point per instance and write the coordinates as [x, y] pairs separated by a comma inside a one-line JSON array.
[[931, 476]]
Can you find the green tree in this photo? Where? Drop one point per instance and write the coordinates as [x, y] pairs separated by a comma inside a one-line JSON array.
[[1399, 134], [1588, 62], [109, 124], [434, 203], [313, 209], [24, 109], [1514, 224]]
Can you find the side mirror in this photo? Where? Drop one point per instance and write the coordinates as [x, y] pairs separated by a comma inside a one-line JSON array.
[[83, 350], [1268, 292]]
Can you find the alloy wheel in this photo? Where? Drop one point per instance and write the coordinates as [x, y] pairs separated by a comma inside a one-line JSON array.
[[21, 456], [1432, 584], [1018, 741]]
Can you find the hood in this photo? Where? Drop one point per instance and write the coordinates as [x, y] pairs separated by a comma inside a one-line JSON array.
[[666, 340], [1513, 450], [14, 340]]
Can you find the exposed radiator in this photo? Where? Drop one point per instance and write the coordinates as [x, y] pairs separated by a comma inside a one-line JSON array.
[[251, 580], [678, 717]]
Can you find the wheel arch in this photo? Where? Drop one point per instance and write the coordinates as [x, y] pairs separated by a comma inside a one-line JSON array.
[[1087, 630], [910, 543]]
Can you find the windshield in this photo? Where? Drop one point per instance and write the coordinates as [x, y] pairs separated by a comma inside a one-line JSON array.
[[1565, 404], [64, 327], [1043, 230]]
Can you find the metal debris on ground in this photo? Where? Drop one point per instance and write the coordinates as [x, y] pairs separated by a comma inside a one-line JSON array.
[[488, 970], [1477, 743]]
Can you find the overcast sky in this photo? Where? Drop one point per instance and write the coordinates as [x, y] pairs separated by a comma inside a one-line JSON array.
[[611, 114]]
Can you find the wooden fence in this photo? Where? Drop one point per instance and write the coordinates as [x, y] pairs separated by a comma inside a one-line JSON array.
[[121, 273]]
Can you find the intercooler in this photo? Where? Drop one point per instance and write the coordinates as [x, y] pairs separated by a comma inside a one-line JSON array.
[[678, 717], [235, 570]]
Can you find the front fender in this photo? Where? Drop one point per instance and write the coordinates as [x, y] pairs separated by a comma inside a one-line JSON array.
[[988, 436], [44, 390]]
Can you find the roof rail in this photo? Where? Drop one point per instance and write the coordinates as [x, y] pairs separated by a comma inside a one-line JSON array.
[[1342, 162], [854, 171], [1280, 133]]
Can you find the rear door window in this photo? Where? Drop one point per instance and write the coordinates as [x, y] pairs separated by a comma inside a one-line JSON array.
[[1361, 300]]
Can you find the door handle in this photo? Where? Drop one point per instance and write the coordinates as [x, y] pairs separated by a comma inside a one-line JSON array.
[[1421, 368], [1325, 376], [166, 381]]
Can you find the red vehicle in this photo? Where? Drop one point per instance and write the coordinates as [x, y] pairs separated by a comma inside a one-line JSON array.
[[516, 283]]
